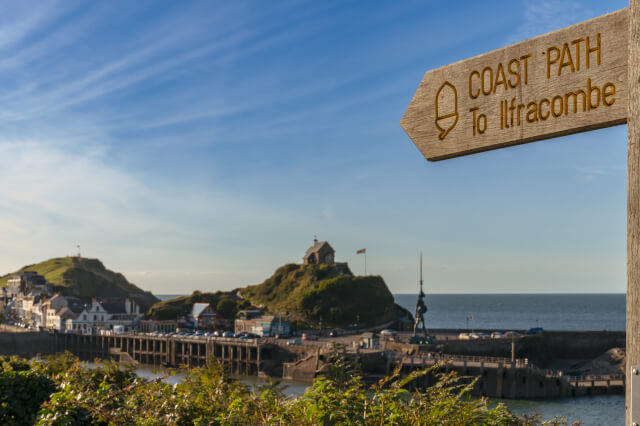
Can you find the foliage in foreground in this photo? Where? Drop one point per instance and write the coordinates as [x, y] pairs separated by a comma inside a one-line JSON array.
[[64, 391]]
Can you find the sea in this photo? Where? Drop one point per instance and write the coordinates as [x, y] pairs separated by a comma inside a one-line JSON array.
[[568, 312], [576, 312]]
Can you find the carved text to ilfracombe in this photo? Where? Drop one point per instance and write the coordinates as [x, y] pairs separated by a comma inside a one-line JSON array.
[[573, 56]]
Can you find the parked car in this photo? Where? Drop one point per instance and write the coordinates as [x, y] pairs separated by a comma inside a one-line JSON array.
[[463, 336], [512, 334], [535, 330], [478, 336], [227, 334], [295, 341], [306, 336], [497, 335]]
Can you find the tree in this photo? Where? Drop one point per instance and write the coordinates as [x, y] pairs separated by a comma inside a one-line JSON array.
[[227, 308]]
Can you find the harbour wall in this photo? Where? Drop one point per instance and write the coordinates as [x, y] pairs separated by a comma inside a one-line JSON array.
[[28, 344], [542, 349], [501, 378]]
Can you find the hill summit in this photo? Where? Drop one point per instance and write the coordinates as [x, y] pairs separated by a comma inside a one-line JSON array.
[[327, 293], [86, 278]]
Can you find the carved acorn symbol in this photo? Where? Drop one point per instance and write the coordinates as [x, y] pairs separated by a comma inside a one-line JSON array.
[[446, 109]]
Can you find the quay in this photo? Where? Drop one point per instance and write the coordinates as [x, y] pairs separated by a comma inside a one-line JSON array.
[[511, 379], [498, 376], [249, 357]]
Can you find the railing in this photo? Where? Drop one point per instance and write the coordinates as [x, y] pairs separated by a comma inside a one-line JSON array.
[[519, 362], [596, 378], [574, 380], [177, 337]]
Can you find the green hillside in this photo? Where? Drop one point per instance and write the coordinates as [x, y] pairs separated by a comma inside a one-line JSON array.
[[225, 303], [52, 269], [86, 278], [311, 293]]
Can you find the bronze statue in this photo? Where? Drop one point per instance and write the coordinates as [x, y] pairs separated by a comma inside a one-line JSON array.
[[421, 308]]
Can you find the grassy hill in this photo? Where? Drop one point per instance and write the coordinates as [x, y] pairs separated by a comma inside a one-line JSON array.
[[310, 293], [225, 303], [86, 278]]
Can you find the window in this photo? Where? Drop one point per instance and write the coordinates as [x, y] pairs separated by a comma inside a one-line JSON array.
[[84, 317]]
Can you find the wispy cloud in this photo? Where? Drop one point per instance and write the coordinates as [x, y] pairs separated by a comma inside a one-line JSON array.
[[199, 141], [540, 17], [592, 172]]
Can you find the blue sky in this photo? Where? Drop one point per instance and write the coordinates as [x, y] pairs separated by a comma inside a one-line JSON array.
[[199, 145]]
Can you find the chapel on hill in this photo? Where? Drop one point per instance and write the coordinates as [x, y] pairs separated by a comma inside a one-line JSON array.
[[319, 252]]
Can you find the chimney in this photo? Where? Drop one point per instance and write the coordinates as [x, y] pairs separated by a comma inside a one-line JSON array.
[[127, 305]]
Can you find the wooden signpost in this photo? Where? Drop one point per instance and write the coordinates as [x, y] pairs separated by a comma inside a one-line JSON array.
[[567, 81], [583, 77]]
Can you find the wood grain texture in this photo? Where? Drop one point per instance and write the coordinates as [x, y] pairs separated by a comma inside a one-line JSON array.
[[633, 200], [440, 118]]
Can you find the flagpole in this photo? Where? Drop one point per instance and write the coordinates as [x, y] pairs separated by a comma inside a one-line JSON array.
[[363, 251]]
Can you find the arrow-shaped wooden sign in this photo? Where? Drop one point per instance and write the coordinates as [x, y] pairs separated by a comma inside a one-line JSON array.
[[567, 81]]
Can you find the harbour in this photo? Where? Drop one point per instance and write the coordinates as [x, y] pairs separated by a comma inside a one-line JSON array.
[[527, 373], [445, 319]]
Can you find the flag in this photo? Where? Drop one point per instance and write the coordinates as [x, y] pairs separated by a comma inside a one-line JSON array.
[[361, 251]]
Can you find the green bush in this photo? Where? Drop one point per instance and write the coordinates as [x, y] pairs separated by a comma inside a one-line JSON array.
[[180, 306], [111, 394], [14, 363], [227, 308], [21, 394]]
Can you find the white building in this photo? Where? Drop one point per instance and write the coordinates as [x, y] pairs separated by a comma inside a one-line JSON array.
[[56, 320], [103, 316], [58, 309]]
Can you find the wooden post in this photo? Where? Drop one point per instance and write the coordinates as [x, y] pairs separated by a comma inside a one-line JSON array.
[[633, 201], [513, 350]]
